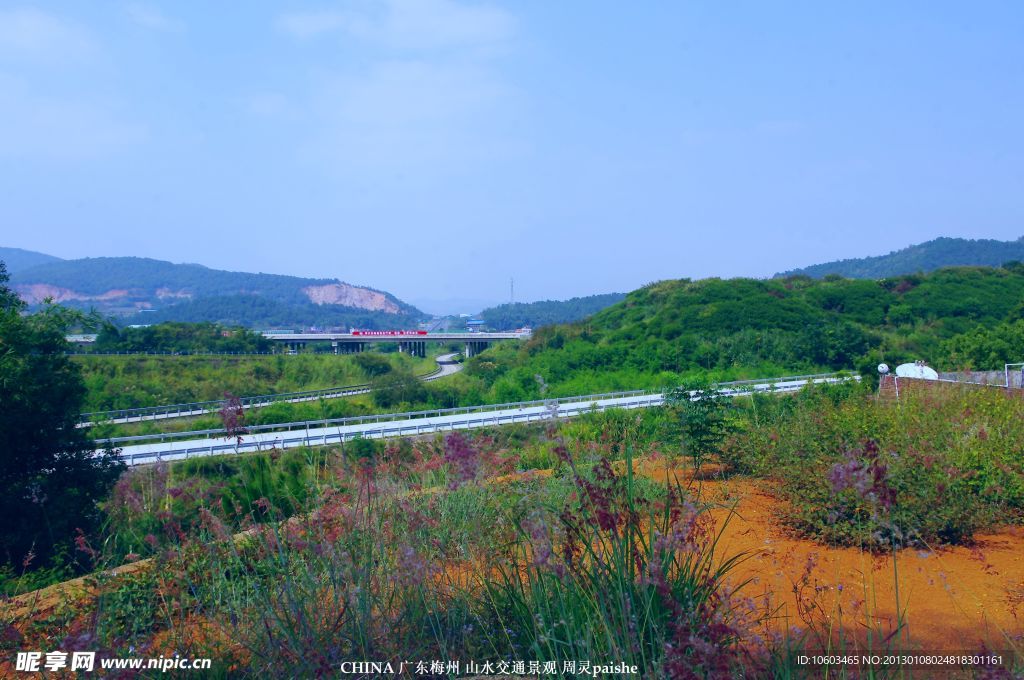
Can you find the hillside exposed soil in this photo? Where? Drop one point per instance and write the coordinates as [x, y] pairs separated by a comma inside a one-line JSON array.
[[350, 296]]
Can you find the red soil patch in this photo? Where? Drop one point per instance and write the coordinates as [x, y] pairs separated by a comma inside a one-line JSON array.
[[951, 599]]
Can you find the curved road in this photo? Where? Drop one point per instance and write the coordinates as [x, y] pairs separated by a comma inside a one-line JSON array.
[[446, 365]]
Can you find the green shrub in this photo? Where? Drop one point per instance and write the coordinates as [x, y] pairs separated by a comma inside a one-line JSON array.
[[935, 466]]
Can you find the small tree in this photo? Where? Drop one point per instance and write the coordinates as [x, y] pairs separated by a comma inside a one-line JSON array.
[[51, 479], [373, 364], [232, 415], [704, 418], [397, 387]]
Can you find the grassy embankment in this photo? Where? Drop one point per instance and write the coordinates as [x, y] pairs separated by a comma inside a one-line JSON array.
[[133, 381]]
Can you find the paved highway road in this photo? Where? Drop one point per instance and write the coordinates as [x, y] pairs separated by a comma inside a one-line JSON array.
[[397, 427], [446, 365]]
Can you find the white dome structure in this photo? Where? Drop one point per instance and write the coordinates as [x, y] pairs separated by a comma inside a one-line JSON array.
[[917, 369]]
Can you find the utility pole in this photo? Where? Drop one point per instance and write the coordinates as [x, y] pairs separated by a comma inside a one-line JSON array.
[[511, 291]]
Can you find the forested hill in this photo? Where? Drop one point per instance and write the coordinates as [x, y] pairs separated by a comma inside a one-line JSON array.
[[17, 259], [742, 328], [262, 311], [924, 257], [164, 291], [546, 312]]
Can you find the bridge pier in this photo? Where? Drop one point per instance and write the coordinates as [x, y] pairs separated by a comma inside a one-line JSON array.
[[416, 348], [346, 343], [347, 347], [474, 347]]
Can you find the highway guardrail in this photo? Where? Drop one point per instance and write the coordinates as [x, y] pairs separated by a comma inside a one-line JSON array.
[[399, 424]]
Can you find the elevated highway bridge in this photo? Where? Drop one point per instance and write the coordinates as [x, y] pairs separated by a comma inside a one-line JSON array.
[[413, 342]]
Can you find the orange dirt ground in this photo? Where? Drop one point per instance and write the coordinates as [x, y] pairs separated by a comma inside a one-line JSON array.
[[952, 599]]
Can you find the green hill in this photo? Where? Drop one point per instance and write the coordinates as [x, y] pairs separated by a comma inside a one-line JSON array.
[[144, 290], [546, 312], [924, 257], [17, 259], [742, 328]]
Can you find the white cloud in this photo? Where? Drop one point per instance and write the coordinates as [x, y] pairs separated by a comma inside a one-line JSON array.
[[151, 17], [29, 32], [409, 24]]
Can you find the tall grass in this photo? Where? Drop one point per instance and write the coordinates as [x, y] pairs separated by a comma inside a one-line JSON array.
[[376, 564], [614, 576]]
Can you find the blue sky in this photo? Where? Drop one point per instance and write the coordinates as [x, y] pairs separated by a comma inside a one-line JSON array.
[[436, 148]]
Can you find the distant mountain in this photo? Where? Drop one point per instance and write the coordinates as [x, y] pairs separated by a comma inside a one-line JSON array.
[[141, 288], [546, 312], [260, 311], [17, 259], [924, 257]]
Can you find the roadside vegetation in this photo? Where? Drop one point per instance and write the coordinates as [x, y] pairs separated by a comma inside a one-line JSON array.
[[936, 468], [115, 382]]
